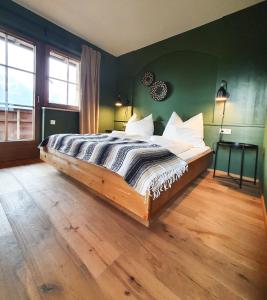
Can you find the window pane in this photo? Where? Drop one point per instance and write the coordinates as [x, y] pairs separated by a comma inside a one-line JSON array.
[[20, 55], [20, 87], [16, 121], [20, 124], [2, 122], [73, 73], [2, 49], [12, 124], [57, 92], [58, 68], [26, 124], [63, 80], [2, 84], [73, 95]]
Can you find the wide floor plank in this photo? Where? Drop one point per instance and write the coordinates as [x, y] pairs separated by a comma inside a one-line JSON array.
[[16, 282]]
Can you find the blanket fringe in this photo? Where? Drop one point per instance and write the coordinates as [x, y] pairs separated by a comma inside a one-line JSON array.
[[164, 181]]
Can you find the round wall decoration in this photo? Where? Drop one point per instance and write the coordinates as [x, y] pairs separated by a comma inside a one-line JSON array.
[[147, 79], [158, 90]]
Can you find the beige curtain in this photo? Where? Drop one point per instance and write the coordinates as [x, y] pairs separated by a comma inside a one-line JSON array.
[[89, 92]]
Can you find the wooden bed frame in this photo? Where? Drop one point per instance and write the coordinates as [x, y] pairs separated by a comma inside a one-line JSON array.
[[112, 187]]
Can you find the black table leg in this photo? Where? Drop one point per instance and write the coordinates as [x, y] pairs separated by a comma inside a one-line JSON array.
[[242, 167], [256, 165], [215, 160], [229, 161]]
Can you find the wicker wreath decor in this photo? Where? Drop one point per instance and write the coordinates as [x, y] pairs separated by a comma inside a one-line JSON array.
[[159, 90], [147, 78]]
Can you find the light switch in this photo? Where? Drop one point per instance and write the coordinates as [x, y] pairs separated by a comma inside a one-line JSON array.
[[52, 122], [226, 131]]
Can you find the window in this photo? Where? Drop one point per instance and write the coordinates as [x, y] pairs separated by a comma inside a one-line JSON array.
[[63, 80], [17, 88]]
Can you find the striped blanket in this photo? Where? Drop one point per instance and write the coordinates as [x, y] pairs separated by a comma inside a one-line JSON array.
[[148, 168]]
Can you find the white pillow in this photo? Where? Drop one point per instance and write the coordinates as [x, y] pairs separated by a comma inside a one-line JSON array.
[[172, 145], [173, 120], [191, 131], [195, 123], [143, 127]]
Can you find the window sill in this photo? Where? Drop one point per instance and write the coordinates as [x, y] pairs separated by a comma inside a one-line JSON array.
[[26, 141], [72, 109]]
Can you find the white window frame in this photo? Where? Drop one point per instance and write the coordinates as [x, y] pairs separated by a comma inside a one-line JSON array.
[[68, 59]]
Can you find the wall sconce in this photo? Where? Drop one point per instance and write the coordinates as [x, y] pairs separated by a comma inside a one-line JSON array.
[[122, 113], [222, 96], [222, 93], [118, 102]]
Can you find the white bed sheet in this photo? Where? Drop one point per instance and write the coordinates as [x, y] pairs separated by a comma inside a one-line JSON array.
[[193, 152]]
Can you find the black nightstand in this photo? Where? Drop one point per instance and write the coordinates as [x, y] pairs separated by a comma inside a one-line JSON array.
[[243, 147]]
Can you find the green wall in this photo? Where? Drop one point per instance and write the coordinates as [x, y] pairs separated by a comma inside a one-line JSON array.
[[23, 21], [264, 181], [60, 117], [193, 64]]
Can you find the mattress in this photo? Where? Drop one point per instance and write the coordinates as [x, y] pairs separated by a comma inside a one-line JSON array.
[[193, 152]]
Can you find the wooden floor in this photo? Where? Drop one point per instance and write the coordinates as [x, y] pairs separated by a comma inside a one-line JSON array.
[[58, 241]]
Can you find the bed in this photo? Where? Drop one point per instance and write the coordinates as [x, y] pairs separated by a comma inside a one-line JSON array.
[[114, 189]]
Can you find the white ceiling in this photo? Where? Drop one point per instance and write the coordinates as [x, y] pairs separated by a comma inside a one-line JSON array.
[[121, 26]]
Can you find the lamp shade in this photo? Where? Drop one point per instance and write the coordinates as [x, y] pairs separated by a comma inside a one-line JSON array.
[[222, 94], [118, 102]]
